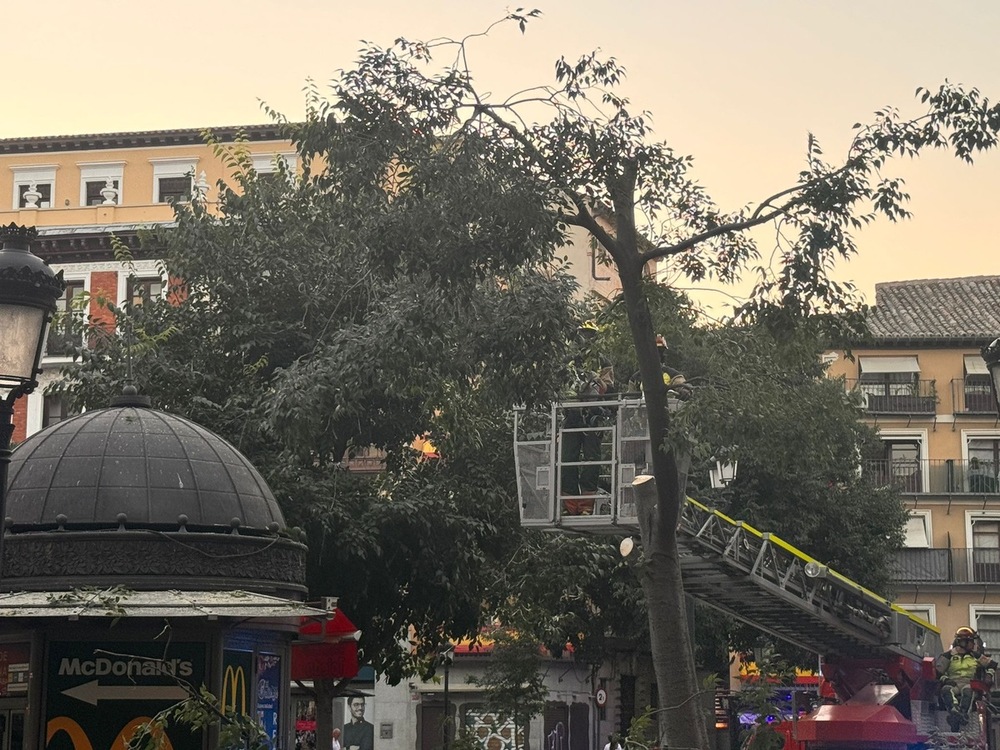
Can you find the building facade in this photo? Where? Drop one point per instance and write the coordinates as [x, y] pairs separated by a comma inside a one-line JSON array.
[[80, 191], [923, 384]]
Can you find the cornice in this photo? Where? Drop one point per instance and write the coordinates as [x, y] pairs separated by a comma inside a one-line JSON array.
[[138, 139]]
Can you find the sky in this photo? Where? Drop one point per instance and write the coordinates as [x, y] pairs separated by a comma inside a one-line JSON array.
[[738, 84]]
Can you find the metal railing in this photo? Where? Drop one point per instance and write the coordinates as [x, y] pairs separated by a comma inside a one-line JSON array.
[[972, 398], [917, 397], [936, 476], [955, 565]]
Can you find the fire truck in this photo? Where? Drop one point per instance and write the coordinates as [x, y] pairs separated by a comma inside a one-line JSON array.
[[876, 659]]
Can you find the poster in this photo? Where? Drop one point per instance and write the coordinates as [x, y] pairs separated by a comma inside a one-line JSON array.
[[269, 694]]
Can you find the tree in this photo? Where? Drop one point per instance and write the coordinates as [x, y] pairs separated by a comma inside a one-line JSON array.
[[314, 318], [600, 170]]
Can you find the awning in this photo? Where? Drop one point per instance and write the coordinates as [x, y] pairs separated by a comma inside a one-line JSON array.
[[975, 365], [885, 365], [327, 649], [124, 603]]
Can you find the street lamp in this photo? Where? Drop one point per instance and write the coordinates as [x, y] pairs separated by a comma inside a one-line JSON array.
[[991, 355], [28, 293], [446, 657]]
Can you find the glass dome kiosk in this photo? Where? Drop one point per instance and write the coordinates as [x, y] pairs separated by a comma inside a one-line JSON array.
[[576, 462]]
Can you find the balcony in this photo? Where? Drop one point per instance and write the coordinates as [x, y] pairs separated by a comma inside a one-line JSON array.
[[973, 397], [958, 565], [937, 476], [905, 399]]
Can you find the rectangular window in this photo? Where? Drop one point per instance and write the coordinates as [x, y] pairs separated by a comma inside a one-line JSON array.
[[34, 187], [64, 334], [38, 195], [984, 465], [55, 409], [174, 189], [925, 612], [144, 288], [94, 179], [173, 179], [986, 550], [977, 390], [900, 465], [917, 531], [95, 193], [987, 624]]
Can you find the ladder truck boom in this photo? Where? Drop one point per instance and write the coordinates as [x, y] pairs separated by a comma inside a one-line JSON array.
[[578, 475]]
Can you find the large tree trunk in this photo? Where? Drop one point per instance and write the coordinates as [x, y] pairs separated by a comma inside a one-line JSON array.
[[326, 691], [681, 720]]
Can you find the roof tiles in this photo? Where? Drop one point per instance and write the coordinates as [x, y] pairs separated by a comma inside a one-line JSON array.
[[964, 308]]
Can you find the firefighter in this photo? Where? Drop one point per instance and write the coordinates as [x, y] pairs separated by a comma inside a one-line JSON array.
[[580, 483], [957, 667], [673, 378]]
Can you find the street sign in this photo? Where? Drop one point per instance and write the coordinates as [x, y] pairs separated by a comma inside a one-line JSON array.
[[601, 698], [98, 693]]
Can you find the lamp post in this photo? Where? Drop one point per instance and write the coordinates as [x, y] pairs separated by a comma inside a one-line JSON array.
[[28, 293], [447, 656], [991, 355]]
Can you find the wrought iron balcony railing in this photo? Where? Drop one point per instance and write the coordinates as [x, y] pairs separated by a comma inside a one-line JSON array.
[[956, 565], [917, 397], [936, 476], [972, 397]]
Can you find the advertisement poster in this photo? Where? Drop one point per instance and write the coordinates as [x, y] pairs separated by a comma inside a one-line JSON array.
[[269, 694], [237, 677], [98, 693], [359, 731]]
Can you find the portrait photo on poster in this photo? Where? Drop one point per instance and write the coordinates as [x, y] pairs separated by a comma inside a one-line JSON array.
[[358, 732]]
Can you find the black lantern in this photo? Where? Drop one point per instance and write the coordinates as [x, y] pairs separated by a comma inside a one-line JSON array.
[[28, 293], [991, 355]]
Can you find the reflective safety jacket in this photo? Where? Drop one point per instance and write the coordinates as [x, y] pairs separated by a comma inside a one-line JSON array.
[[958, 666]]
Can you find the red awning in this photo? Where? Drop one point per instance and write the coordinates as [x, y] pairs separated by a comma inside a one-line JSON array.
[[327, 650]]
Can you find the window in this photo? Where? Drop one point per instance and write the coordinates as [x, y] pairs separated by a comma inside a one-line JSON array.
[[983, 465], [94, 179], [986, 550], [987, 623], [64, 337], [174, 189], [55, 409], [265, 163], [94, 192], [34, 187], [34, 196], [900, 464], [173, 179], [144, 288], [889, 376], [976, 386], [926, 612], [918, 530]]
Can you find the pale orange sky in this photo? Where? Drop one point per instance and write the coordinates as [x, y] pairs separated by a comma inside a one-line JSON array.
[[736, 83]]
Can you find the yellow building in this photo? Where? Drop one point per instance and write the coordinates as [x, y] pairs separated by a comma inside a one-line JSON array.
[[80, 190], [925, 387]]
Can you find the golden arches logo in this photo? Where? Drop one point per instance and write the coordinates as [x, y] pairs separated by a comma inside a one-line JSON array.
[[81, 742], [234, 682]]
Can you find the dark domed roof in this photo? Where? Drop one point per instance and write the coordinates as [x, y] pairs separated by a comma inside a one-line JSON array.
[[151, 466]]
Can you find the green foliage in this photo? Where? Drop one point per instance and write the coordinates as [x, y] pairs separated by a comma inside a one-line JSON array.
[[348, 310], [197, 713], [757, 697], [512, 680]]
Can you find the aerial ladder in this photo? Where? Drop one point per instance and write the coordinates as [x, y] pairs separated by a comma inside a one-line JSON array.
[[877, 658]]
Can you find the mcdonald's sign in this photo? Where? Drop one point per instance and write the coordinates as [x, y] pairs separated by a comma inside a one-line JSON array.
[[96, 696], [234, 690], [237, 671]]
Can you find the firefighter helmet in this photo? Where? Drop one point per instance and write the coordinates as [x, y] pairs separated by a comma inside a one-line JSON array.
[[965, 632]]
